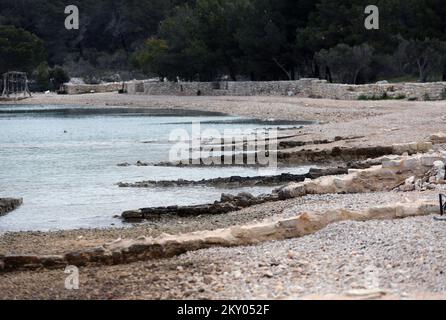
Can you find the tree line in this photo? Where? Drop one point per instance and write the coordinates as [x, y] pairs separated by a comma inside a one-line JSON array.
[[207, 40]]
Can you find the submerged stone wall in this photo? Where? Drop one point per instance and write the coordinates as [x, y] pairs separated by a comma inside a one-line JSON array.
[[9, 204]]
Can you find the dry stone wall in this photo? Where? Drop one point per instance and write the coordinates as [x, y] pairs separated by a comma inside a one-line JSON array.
[[92, 88], [311, 88], [239, 88]]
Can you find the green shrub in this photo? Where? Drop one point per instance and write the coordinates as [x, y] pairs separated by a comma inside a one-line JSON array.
[[58, 77], [49, 79], [41, 78]]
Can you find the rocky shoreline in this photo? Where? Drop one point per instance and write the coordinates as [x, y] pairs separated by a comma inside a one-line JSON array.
[[406, 258], [237, 181], [215, 263], [394, 172], [166, 246], [9, 204], [429, 166], [228, 203], [301, 156]]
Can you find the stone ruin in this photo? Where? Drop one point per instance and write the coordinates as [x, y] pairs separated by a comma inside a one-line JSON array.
[[15, 85], [304, 88]]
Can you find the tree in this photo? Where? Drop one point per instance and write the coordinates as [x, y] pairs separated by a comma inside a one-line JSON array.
[[46, 78], [188, 55], [427, 56], [333, 22], [58, 76], [20, 50], [345, 62], [263, 42], [200, 40], [211, 38], [218, 22], [208, 39], [106, 27], [150, 57]]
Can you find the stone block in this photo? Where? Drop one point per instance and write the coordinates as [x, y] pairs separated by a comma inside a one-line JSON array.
[[438, 138], [392, 164]]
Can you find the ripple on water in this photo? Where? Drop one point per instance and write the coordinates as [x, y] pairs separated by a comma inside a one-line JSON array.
[[63, 162]]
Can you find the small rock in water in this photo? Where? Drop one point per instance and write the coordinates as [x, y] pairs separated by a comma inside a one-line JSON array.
[[227, 197], [124, 164], [141, 164]]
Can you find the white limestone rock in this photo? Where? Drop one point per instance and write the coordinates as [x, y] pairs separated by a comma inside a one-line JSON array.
[[438, 138]]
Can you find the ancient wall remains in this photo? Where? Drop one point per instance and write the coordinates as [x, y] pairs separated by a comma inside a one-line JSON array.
[[70, 88], [310, 88]]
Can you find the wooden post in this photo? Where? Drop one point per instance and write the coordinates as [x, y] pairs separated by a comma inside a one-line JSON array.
[[4, 85], [14, 85], [26, 86], [7, 92]]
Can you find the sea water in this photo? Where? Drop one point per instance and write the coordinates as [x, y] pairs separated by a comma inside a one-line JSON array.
[[62, 160]]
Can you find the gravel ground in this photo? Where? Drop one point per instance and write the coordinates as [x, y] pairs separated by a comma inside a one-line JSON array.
[[401, 257], [63, 241], [405, 257], [284, 108]]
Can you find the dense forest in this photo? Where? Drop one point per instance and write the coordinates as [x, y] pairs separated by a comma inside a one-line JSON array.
[[209, 40]]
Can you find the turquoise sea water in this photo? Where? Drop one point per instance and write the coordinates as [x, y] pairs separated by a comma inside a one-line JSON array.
[[63, 162]]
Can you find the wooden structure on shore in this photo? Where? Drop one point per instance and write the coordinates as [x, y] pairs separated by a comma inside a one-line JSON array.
[[15, 85]]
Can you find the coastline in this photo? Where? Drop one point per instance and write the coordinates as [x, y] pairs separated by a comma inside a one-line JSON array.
[[375, 123], [380, 122]]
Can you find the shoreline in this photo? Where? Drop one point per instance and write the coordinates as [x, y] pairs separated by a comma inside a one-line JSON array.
[[373, 123], [379, 122]]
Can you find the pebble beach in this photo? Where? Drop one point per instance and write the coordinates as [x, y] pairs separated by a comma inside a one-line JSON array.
[[390, 259]]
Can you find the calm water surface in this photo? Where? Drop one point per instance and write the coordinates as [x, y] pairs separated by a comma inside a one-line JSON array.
[[63, 162]]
